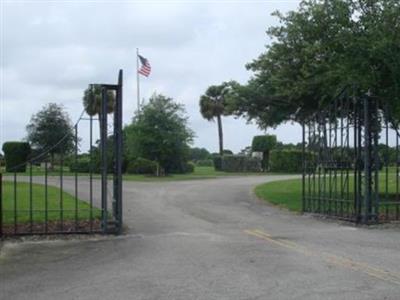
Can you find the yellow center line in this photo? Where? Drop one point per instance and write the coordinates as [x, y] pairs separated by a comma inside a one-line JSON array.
[[329, 258]]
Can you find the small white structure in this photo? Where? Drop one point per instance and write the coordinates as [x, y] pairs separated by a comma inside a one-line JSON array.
[[43, 165], [257, 154]]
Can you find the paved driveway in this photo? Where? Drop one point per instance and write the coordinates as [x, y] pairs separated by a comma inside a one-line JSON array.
[[208, 239]]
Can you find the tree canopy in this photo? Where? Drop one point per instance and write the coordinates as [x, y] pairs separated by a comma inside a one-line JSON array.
[[316, 52], [159, 132], [92, 100], [50, 129]]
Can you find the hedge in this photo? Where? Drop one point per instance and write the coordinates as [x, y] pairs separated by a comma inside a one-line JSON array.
[[16, 155], [189, 167], [240, 163], [142, 166], [290, 161], [205, 163], [82, 165], [217, 160]]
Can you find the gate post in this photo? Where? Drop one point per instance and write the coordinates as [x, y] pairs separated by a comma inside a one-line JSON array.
[[304, 167], [371, 164], [118, 154], [1, 204], [366, 202], [103, 145]]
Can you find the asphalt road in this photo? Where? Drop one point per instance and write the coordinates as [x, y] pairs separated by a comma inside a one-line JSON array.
[[208, 239]]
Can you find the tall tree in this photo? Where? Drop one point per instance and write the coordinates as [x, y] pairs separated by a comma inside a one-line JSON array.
[[317, 51], [213, 106], [160, 133], [50, 130]]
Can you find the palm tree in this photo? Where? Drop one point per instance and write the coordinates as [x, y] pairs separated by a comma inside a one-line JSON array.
[[92, 101], [212, 105]]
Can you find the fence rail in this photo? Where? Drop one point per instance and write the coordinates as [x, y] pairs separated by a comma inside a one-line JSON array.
[[63, 192], [351, 161]]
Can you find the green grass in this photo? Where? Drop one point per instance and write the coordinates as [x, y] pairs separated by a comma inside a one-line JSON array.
[[288, 193], [285, 193], [199, 173], [69, 204]]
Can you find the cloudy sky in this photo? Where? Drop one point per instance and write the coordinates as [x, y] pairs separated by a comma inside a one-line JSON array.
[[51, 51]]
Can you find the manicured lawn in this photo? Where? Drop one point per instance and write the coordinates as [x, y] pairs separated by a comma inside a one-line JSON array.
[[288, 193], [285, 193], [69, 204], [199, 173]]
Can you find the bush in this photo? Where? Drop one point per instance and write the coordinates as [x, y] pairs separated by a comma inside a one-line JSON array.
[[189, 167], [16, 155], [142, 166], [205, 163], [262, 143], [228, 152], [241, 163], [217, 160], [290, 161], [82, 165]]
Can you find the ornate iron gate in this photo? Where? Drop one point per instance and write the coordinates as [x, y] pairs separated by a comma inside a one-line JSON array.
[[351, 161], [78, 192]]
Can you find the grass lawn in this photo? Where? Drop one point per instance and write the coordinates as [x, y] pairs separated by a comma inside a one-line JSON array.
[[285, 193], [199, 173], [288, 193], [69, 204]]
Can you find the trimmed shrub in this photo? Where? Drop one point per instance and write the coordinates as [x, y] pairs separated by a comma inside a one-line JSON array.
[[290, 161], [217, 160], [142, 166], [16, 155], [82, 165], [241, 163], [189, 167], [264, 144], [205, 163], [228, 152]]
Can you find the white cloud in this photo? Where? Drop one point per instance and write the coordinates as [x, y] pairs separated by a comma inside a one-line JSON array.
[[52, 50]]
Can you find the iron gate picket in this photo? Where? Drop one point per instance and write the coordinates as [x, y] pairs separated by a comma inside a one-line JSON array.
[[70, 192], [351, 160]]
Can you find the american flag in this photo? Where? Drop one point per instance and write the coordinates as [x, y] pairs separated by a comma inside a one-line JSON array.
[[145, 68]]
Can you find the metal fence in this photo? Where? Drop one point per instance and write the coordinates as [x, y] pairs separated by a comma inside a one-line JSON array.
[[73, 191], [352, 160]]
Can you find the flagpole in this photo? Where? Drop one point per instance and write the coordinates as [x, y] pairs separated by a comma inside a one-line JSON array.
[[137, 80]]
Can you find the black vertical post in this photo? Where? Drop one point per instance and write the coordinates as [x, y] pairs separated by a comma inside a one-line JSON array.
[[46, 197], [30, 198], [119, 150], [304, 168], [366, 203], [397, 174], [103, 145], [62, 192], [91, 172], [1, 204], [15, 203], [76, 176]]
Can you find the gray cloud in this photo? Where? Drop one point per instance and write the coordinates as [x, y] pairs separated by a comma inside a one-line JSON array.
[[52, 50]]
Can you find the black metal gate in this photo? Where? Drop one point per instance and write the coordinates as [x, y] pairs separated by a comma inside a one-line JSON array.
[[71, 192], [351, 160]]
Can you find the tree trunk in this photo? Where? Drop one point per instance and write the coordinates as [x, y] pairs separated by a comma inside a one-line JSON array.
[[220, 136]]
